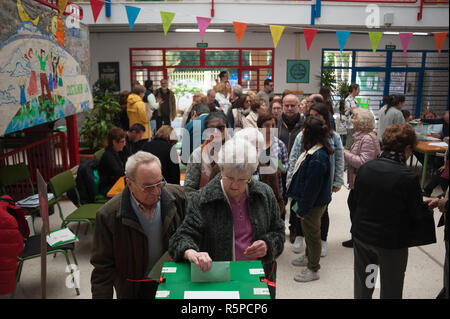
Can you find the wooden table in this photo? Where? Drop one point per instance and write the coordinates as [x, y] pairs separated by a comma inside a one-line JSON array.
[[427, 149], [117, 187]]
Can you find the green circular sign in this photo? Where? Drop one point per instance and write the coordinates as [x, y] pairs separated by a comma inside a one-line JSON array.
[[298, 71]]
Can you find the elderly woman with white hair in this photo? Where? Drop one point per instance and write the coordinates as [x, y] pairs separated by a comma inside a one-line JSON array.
[[233, 217], [365, 148]]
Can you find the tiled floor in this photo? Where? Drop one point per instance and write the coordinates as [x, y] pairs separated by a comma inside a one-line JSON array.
[[424, 274]]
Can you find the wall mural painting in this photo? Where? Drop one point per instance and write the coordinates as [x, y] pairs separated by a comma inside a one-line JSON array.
[[40, 79]]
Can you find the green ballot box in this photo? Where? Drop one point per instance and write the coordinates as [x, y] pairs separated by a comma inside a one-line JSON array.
[[225, 280]]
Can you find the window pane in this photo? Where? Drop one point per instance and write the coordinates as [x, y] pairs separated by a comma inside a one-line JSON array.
[[410, 59], [146, 58], [436, 60], [221, 57], [179, 58], [370, 59], [337, 59], [257, 57]]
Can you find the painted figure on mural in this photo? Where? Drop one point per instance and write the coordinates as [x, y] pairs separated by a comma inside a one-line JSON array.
[[43, 76], [55, 62], [23, 97]]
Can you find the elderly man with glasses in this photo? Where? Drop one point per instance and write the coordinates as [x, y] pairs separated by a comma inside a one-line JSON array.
[[133, 229]]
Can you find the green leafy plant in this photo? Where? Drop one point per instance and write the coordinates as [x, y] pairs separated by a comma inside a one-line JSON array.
[[328, 79], [342, 89], [100, 120], [102, 85]]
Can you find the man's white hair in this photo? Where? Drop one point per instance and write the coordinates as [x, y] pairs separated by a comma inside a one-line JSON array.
[[253, 136], [137, 159], [238, 154]]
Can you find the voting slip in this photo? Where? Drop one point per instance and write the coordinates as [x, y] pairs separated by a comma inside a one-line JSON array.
[[220, 271], [61, 237]]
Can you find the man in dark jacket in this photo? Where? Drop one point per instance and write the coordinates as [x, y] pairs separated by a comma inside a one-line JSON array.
[[133, 229]]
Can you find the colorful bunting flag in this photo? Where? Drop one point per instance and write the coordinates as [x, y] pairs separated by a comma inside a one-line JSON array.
[[405, 38], [440, 37], [276, 31], [203, 23], [62, 4], [166, 18], [132, 14], [96, 6], [375, 38], [309, 35], [239, 29], [342, 38]]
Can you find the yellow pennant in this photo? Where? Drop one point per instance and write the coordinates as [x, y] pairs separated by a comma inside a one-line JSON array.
[[276, 31], [62, 4]]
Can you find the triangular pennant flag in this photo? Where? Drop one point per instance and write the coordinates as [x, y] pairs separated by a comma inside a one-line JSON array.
[[132, 14], [309, 35], [96, 6], [405, 38], [203, 23], [276, 31], [342, 38], [62, 4], [440, 37], [166, 18], [375, 38], [239, 29]]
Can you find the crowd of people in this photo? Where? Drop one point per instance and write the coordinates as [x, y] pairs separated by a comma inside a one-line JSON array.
[[252, 161]]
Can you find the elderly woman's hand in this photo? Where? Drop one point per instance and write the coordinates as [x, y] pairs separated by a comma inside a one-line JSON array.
[[256, 250], [201, 260]]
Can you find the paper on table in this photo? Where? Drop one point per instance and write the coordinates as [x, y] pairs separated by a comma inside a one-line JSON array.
[[440, 144], [211, 295], [220, 271]]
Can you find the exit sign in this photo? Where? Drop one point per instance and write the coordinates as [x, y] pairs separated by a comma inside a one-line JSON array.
[[390, 47], [202, 45]]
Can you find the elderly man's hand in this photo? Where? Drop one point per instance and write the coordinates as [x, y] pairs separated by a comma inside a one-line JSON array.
[[256, 250], [200, 259]]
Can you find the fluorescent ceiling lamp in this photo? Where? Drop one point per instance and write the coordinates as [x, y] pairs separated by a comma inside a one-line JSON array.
[[391, 33], [197, 30], [420, 33]]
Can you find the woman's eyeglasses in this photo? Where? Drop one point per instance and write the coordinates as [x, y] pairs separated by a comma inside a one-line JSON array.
[[220, 127]]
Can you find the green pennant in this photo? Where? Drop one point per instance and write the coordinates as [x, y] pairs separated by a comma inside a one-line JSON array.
[[374, 38], [166, 18]]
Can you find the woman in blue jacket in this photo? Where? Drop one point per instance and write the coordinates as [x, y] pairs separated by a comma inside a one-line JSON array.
[[336, 172], [310, 188]]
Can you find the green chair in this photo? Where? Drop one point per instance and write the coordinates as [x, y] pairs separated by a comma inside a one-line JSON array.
[[10, 176], [64, 182], [13, 174], [32, 249], [98, 155]]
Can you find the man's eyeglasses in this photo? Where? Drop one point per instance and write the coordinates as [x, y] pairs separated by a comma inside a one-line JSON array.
[[290, 105], [151, 188]]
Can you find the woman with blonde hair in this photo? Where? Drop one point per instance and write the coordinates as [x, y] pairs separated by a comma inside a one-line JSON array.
[[365, 148], [223, 97], [162, 147]]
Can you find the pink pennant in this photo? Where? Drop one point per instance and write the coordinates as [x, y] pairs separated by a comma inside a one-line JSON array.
[[405, 38], [203, 24]]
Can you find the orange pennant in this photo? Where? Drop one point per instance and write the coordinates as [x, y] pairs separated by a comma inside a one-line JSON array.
[[440, 37], [239, 29]]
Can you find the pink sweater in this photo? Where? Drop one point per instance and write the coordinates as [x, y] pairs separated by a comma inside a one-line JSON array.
[[243, 231], [365, 148]]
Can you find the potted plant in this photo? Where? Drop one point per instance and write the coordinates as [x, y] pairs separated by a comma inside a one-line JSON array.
[[99, 121]]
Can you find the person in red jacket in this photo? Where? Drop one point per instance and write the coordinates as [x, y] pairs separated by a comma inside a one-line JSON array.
[[11, 247]]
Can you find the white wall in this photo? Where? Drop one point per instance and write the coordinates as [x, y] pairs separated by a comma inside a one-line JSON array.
[[110, 47]]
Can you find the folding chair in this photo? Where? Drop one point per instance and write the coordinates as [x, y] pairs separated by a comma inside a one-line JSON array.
[[32, 249], [62, 183]]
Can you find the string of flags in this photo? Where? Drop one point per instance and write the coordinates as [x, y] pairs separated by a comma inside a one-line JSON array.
[[275, 30]]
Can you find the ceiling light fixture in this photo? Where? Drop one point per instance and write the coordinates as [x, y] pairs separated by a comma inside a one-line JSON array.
[[197, 30]]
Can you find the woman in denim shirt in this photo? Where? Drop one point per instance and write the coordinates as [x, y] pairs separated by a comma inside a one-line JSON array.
[[336, 172]]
